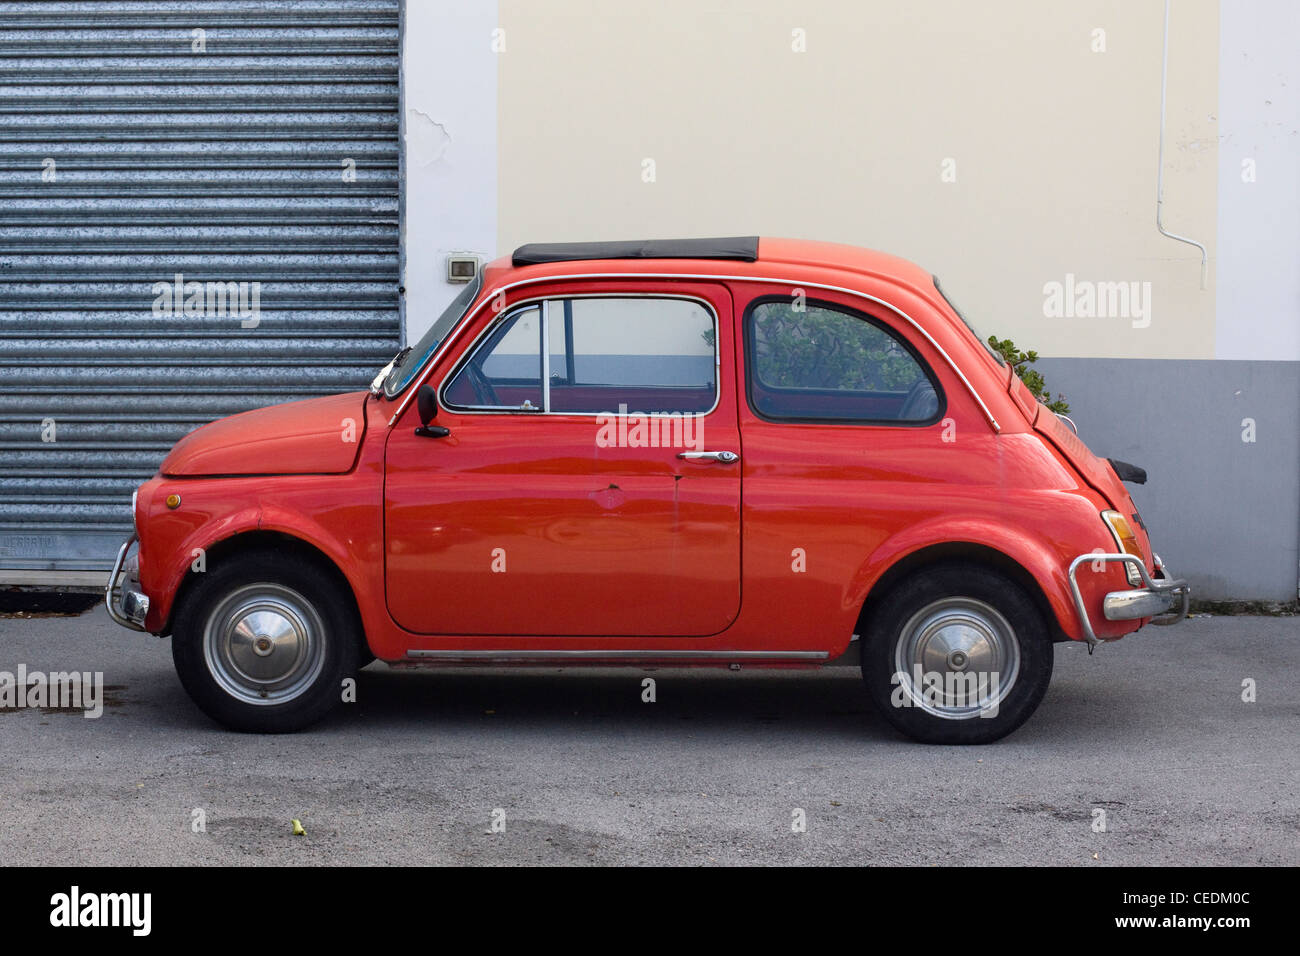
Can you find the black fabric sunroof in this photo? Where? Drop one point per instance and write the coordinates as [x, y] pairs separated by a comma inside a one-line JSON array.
[[738, 248]]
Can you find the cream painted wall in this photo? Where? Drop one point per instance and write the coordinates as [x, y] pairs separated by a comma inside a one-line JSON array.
[[1054, 145]]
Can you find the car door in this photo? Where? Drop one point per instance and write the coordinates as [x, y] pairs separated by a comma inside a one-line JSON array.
[[576, 492]]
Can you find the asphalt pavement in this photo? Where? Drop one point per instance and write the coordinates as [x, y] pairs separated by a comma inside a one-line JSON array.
[[1145, 753]]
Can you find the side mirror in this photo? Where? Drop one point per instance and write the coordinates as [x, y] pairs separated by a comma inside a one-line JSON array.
[[426, 403]]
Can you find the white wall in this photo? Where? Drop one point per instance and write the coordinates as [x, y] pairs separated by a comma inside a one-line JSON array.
[[1259, 222], [449, 128]]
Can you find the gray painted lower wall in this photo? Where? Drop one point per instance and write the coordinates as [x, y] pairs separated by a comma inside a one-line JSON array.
[[1222, 511]]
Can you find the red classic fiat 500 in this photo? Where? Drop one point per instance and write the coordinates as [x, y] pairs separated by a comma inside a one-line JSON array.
[[768, 453]]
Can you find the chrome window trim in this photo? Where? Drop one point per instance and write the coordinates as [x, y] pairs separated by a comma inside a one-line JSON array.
[[545, 349], [546, 389], [703, 277]]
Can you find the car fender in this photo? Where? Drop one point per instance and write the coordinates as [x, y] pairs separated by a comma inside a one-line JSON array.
[[166, 585], [173, 547], [1031, 552]]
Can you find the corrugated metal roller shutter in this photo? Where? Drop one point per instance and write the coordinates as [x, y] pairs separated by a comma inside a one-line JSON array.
[[128, 156]]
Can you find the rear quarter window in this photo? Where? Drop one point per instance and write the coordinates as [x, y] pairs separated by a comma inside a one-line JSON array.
[[818, 362]]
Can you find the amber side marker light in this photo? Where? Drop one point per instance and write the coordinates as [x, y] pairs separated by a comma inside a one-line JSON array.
[[1127, 541], [173, 501]]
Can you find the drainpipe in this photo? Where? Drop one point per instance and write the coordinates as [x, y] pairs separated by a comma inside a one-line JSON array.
[[1160, 170]]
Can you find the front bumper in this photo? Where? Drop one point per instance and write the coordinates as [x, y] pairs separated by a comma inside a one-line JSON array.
[[127, 605], [1164, 600]]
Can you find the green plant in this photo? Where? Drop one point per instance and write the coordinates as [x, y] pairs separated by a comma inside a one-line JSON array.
[[1020, 361]]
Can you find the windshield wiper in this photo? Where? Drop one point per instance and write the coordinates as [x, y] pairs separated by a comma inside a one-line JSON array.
[[377, 385]]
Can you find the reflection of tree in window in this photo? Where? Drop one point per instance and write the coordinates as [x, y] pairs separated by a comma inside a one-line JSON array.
[[823, 348]]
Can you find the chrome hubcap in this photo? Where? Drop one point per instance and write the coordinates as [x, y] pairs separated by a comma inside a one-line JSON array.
[[264, 644], [957, 658]]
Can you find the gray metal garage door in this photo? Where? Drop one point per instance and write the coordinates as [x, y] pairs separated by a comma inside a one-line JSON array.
[[222, 141]]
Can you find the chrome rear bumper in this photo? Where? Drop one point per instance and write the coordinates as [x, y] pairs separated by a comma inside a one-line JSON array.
[[134, 603], [1164, 600]]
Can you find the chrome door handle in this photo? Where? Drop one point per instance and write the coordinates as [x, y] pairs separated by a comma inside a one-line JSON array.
[[726, 457]]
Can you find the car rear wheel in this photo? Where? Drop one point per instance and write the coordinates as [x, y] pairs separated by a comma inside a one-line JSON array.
[[957, 654], [263, 643]]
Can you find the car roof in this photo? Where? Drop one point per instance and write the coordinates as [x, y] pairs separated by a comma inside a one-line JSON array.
[[739, 248], [678, 253]]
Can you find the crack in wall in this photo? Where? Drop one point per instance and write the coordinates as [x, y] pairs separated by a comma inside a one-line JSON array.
[[427, 140]]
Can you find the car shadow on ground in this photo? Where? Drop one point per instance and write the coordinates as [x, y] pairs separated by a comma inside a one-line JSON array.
[[777, 705], [16, 602], [613, 700]]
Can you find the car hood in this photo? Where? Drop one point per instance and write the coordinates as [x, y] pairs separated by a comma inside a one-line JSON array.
[[320, 436]]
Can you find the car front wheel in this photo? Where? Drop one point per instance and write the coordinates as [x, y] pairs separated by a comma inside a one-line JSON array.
[[263, 643], [957, 654]]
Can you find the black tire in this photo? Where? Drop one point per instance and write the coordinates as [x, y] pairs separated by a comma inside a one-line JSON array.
[[228, 671], [942, 613]]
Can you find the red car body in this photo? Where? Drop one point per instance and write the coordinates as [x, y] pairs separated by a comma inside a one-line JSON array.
[[633, 553]]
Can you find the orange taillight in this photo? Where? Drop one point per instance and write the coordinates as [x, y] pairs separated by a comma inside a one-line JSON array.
[[1127, 541]]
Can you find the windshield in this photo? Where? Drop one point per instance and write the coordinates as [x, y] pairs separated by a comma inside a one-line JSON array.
[[965, 321], [408, 361]]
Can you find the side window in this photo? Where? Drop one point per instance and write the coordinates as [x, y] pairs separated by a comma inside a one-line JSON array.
[[605, 355], [505, 371], [651, 355], [826, 363]]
